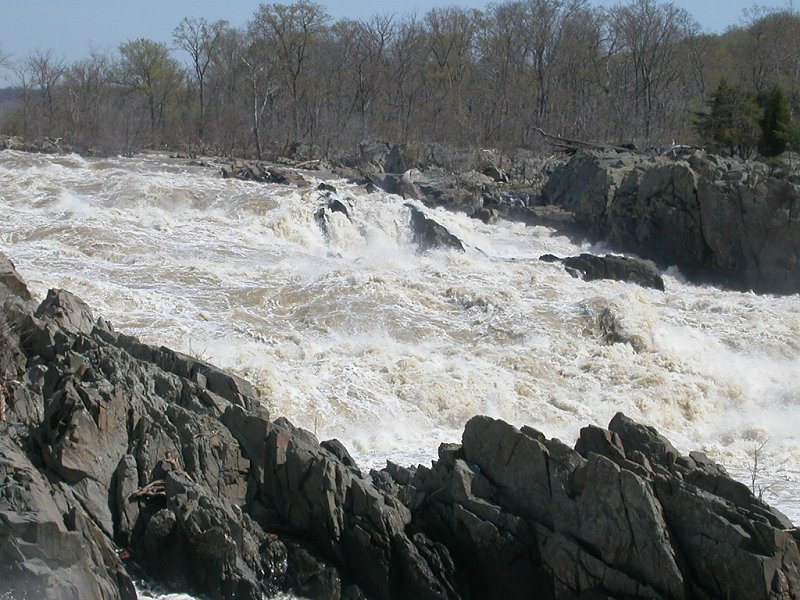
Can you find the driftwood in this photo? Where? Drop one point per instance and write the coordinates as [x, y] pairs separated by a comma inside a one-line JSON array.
[[154, 489], [571, 145]]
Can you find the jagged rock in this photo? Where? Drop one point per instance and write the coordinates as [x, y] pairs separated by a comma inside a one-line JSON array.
[[615, 520], [401, 184], [727, 219], [495, 173], [428, 234], [176, 464], [323, 214], [11, 283], [254, 171], [49, 547], [487, 215], [619, 268], [373, 155]]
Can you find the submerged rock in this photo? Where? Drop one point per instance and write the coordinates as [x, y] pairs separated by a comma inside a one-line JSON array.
[[255, 171], [114, 453], [620, 268]]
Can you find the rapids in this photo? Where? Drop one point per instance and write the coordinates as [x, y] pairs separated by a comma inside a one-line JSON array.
[[357, 337]]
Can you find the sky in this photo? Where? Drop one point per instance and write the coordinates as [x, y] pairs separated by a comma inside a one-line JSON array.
[[72, 28]]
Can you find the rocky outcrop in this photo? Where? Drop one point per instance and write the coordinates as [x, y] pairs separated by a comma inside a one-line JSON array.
[[619, 268], [116, 455], [623, 515], [330, 204], [256, 171], [726, 219], [45, 145], [427, 234]]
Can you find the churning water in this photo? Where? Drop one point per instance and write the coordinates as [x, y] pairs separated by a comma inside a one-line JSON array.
[[357, 337]]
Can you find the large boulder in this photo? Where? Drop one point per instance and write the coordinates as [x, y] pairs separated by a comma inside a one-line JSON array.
[[623, 515], [726, 219], [428, 234]]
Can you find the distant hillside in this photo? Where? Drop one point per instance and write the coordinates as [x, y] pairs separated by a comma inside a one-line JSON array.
[[10, 94]]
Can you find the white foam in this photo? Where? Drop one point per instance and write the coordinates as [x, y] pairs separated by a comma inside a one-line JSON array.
[[358, 337]]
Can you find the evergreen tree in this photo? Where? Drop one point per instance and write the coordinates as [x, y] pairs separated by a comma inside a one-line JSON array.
[[790, 133], [732, 124], [774, 123]]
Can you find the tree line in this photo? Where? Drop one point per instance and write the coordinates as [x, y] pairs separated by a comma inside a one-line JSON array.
[[643, 72]]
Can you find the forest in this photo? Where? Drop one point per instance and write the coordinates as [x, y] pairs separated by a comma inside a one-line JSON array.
[[642, 73]]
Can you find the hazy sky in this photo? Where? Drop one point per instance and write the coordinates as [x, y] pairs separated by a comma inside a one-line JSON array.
[[71, 28]]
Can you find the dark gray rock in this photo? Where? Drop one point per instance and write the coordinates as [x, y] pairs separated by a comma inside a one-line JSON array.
[[619, 268], [49, 547], [255, 171], [11, 284], [725, 219], [427, 234], [147, 455]]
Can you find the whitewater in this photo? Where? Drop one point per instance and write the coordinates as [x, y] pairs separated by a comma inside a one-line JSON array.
[[353, 335]]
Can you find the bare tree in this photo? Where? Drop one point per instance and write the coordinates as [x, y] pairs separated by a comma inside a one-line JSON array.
[[451, 38], [86, 90], [650, 36], [45, 71], [501, 58], [5, 60], [545, 26], [290, 31], [203, 41], [261, 92]]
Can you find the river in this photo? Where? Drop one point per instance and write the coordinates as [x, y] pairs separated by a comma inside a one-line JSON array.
[[356, 336]]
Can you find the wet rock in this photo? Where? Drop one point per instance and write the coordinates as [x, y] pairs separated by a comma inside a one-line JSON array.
[[323, 214], [255, 171], [619, 268], [487, 215], [428, 234]]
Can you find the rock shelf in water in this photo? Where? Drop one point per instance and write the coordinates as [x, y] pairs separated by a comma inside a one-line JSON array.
[[120, 457]]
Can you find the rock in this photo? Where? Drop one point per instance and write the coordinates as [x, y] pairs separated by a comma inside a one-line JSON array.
[[725, 219], [487, 215], [402, 184], [495, 173], [174, 463], [428, 234], [285, 177], [373, 155], [49, 547], [254, 171], [68, 311], [11, 284], [323, 214], [620, 268], [395, 161]]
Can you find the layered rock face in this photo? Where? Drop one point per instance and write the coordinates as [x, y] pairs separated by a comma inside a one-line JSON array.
[[120, 457], [729, 219]]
